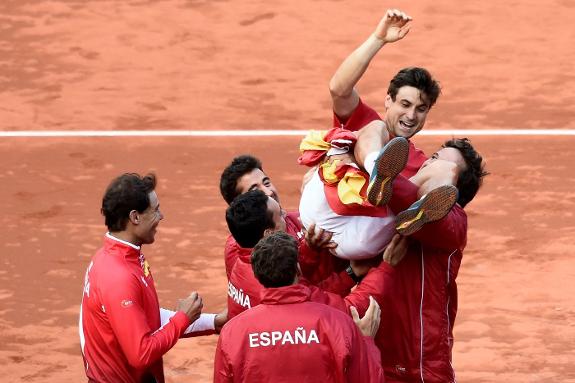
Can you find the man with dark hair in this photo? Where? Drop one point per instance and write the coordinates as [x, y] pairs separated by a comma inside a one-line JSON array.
[[274, 260], [410, 96], [417, 335], [361, 136], [245, 173], [123, 331], [249, 219], [416, 339], [313, 341], [244, 290], [456, 163], [423, 305]]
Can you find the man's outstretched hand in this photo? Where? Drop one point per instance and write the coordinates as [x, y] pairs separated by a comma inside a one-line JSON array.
[[393, 26]]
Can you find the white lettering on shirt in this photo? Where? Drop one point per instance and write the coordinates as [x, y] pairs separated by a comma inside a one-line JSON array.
[[281, 338], [239, 296], [87, 280]]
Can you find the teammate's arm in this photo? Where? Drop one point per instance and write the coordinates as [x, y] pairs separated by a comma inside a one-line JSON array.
[[392, 27]]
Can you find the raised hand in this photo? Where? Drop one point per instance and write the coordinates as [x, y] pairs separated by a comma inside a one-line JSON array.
[[393, 26]]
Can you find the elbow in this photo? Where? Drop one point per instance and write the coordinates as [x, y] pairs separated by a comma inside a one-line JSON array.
[[140, 360], [137, 362], [336, 90]]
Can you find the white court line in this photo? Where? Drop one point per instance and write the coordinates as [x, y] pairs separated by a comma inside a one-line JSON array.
[[268, 133]]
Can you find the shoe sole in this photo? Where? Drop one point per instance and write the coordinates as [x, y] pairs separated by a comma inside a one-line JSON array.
[[388, 165], [433, 207]]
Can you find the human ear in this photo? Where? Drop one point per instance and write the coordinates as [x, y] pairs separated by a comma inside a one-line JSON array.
[[387, 101], [134, 217]]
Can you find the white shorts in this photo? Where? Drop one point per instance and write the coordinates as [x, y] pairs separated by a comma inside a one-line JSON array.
[[357, 237]]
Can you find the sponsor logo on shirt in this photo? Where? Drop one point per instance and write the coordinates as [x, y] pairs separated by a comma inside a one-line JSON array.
[[127, 303], [239, 296], [281, 338]]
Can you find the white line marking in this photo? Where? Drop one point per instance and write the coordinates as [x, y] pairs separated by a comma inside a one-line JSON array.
[[268, 133]]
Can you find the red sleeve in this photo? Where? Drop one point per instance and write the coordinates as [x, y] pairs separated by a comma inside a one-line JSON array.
[[309, 261], [449, 232], [320, 296], [222, 369], [128, 319], [319, 269], [375, 284], [337, 283], [361, 116], [365, 360]]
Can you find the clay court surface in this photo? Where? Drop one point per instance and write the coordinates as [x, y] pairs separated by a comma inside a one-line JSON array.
[[207, 65]]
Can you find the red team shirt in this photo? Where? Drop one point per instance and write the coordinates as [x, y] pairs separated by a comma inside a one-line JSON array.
[[287, 338], [120, 329]]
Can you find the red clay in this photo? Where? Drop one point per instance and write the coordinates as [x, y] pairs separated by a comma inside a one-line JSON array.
[[195, 64]]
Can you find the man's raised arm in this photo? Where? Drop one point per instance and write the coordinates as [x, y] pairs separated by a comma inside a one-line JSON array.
[[392, 27]]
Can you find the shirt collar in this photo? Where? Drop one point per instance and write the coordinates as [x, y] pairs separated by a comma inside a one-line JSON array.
[[295, 293], [110, 236]]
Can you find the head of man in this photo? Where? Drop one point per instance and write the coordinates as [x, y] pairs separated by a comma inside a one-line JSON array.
[[470, 166], [130, 205], [274, 260], [245, 173], [410, 96], [253, 215]]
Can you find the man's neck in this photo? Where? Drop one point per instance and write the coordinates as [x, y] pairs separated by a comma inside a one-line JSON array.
[[126, 237]]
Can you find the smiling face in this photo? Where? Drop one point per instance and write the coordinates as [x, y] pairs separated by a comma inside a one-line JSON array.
[[257, 180], [406, 115], [147, 221]]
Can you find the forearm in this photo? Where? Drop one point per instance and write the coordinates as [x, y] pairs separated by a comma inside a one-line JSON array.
[[374, 284], [142, 346], [353, 68], [205, 322]]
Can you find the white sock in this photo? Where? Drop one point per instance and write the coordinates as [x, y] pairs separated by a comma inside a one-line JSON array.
[[369, 162]]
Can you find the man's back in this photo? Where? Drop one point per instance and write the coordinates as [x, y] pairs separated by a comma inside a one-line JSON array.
[[314, 342]]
